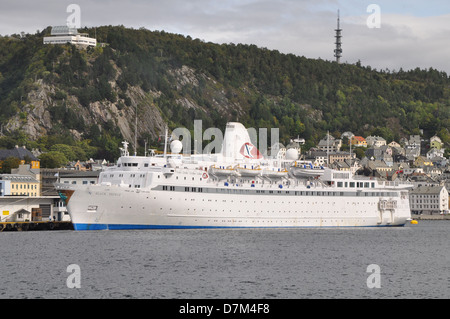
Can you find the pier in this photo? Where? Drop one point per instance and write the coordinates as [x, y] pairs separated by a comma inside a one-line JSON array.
[[35, 225], [431, 217]]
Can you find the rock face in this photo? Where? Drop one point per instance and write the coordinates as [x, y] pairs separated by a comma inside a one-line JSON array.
[[35, 118]]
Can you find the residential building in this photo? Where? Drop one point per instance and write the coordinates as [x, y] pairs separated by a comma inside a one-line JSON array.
[[435, 152], [435, 142], [379, 166], [330, 144], [358, 141], [403, 141], [346, 165], [347, 134], [432, 171], [373, 153], [397, 150], [429, 200], [398, 158], [394, 144], [318, 158], [340, 156], [22, 154], [422, 161], [440, 162], [412, 153], [413, 142], [375, 141]]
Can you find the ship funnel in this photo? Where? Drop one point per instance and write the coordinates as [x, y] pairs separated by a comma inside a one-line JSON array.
[[237, 144]]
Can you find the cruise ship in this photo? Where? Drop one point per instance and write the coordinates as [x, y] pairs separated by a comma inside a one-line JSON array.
[[235, 188]]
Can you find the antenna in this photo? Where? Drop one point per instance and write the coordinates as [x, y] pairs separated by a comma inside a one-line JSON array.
[[338, 36], [328, 147]]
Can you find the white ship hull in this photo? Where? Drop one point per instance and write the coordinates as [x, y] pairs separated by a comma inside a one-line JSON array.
[[105, 207]]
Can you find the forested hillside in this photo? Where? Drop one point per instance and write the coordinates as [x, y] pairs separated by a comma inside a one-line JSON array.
[[88, 99]]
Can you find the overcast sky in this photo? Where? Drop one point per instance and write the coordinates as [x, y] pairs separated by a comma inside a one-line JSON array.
[[412, 33]]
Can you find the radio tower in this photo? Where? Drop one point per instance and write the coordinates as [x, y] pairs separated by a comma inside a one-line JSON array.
[[338, 36]]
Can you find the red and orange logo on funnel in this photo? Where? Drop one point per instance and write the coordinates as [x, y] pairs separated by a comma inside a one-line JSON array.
[[249, 150]]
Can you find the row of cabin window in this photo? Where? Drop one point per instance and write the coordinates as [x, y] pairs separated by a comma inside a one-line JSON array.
[[301, 193], [358, 184], [134, 164]]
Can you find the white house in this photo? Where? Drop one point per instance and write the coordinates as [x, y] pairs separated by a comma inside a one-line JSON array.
[[329, 143], [434, 152], [429, 200], [375, 141]]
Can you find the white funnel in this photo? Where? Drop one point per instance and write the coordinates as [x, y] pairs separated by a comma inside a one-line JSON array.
[[237, 144]]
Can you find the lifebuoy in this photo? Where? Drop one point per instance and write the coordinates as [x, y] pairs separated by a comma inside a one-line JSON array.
[[205, 175]]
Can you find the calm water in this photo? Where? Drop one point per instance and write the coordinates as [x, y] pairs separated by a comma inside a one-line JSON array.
[[244, 263]]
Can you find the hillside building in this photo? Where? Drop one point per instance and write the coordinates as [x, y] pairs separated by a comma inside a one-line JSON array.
[[375, 141], [358, 141], [65, 34], [436, 142], [22, 154], [329, 144]]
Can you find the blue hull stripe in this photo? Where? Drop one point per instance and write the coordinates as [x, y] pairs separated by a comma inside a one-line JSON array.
[[123, 226]]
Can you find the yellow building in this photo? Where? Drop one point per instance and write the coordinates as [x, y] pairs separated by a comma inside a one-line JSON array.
[[21, 185], [359, 141], [422, 161]]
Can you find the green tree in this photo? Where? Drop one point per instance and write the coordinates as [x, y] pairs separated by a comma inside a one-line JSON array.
[[66, 150], [10, 163], [53, 159], [360, 152]]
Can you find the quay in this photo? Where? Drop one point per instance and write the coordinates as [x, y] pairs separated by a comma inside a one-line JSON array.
[[431, 217], [35, 226]]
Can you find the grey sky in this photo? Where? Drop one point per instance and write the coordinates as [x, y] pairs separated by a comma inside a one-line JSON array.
[[412, 34]]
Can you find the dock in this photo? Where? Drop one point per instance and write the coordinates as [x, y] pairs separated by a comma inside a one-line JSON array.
[[432, 217], [35, 226]]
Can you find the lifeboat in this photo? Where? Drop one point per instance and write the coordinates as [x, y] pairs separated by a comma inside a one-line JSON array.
[[306, 169], [221, 170], [248, 170], [275, 172]]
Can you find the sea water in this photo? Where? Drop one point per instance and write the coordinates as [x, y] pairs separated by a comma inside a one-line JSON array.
[[407, 262]]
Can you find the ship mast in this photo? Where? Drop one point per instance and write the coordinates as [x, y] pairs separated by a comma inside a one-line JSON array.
[[165, 143], [135, 133]]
